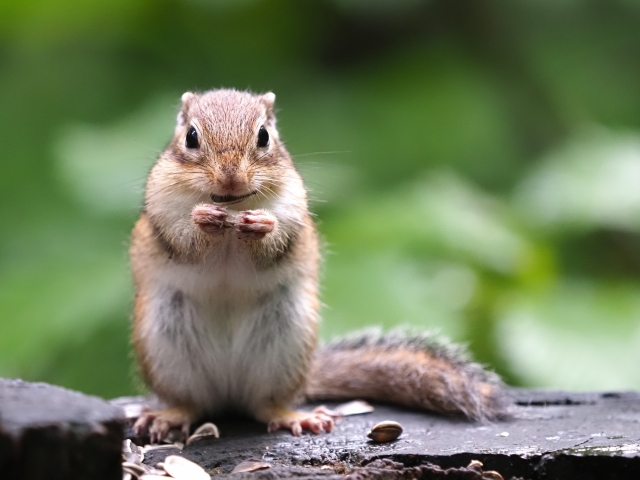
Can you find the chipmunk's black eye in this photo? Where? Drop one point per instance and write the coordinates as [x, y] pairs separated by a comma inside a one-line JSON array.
[[263, 137], [191, 140]]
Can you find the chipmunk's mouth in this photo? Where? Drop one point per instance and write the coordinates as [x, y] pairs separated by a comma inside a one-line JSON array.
[[231, 198]]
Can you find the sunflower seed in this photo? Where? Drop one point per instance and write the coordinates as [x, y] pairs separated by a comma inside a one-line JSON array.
[[155, 471], [131, 452], [133, 410], [491, 475], [250, 467], [183, 469], [356, 407], [134, 469], [386, 431], [203, 431], [148, 448]]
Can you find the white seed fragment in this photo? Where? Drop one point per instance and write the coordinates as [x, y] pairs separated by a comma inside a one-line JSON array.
[[182, 469], [203, 431], [386, 431], [133, 410], [155, 471], [134, 469], [356, 407], [148, 448], [491, 475], [250, 467], [131, 452], [502, 434]]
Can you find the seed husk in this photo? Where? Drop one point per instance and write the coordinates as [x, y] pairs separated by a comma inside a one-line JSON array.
[[133, 411], [386, 431], [149, 448], [131, 452], [155, 471], [356, 407], [134, 469], [491, 475], [183, 469], [250, 467], [203, 431]]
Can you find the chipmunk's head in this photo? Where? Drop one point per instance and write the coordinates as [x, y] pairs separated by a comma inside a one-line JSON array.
[[226, 146]]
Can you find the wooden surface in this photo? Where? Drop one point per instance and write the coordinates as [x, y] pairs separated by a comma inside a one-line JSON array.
[[552, 435], [48, 432]]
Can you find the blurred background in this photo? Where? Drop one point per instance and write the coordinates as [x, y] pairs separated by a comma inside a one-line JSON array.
[[474, 167]]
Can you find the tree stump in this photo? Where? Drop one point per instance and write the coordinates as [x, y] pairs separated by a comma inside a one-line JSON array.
[[48, 432], [552, 435]]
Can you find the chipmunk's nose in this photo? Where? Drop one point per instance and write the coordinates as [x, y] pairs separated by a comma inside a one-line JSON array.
[[230, 184]]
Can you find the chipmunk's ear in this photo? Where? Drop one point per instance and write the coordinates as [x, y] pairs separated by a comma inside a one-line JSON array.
[[187, 98], [268, 99]]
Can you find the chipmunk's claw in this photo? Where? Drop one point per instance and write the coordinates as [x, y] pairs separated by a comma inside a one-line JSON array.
[[254, 224], [160, 422], [316, 422], [210, 218]]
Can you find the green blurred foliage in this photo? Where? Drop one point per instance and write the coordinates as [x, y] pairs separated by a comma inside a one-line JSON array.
[[474, 167]]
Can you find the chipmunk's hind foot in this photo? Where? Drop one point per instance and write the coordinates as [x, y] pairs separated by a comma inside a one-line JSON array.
[[316, 421], [160, 422]]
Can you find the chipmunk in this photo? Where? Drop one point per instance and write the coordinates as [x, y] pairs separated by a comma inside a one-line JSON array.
[[225, 259]]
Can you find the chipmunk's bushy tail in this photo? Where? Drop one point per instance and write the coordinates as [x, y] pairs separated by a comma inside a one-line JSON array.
[[411, 370]]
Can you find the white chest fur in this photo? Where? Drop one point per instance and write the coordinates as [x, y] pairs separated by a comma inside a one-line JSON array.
[[230, 338], [224, 333]]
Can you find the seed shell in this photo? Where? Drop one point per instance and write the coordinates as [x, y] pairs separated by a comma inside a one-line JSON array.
[[131, 452], [133, 411], [134, 469], [182, 469], [150, 448], [203, 431], [491, 475], [386, 431], [250, 467], [356, 407]]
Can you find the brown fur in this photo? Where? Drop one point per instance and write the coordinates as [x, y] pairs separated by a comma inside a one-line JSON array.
[[228, 219], [410, 371], [231, 213]]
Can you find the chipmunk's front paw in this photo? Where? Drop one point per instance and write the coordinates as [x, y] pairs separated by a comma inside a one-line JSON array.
[[316, 421], [210, 218], [161, 422], [254, 224]]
